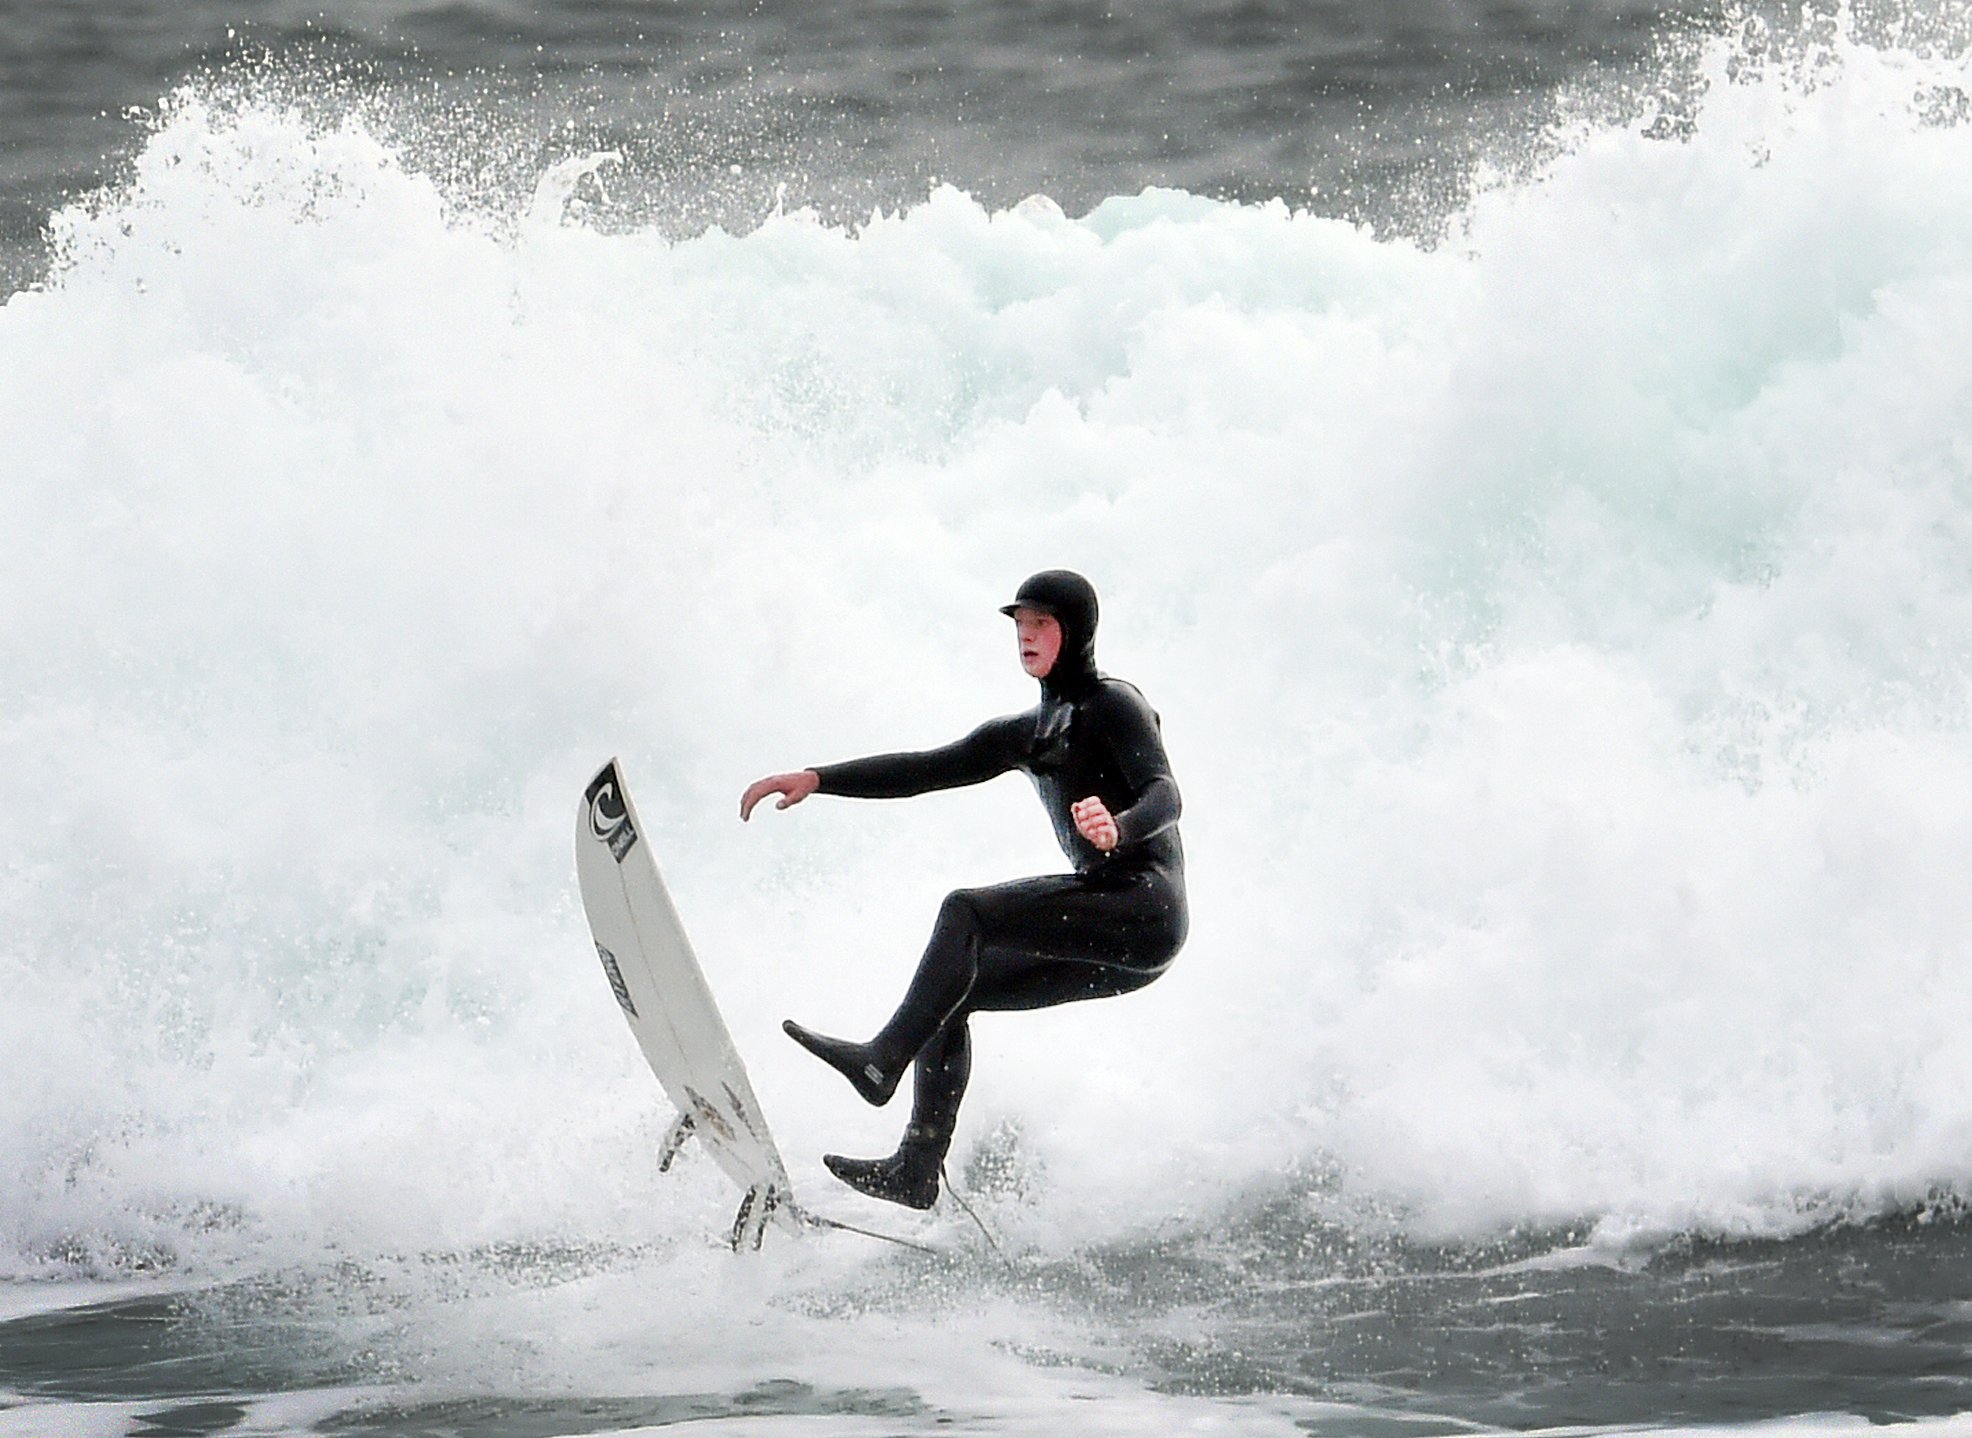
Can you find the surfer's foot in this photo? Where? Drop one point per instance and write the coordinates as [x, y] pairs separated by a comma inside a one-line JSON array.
[[856, 1062], [909, 1176]]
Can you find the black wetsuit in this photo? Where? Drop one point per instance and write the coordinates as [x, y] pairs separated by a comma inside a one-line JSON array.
[[1111, 926]]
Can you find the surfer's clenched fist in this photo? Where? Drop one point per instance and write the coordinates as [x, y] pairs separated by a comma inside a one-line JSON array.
[[1095, 823], [792, 788]]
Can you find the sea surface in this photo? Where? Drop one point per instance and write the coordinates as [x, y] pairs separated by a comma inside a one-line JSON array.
[[1525, 452]]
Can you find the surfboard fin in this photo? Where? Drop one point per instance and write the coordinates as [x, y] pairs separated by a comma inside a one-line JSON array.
[[756, 1211], [674, 1140]]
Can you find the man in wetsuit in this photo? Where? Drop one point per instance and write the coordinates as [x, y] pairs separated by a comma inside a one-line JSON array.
[[1093, 749]]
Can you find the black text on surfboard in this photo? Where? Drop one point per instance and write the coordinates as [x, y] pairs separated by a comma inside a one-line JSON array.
[[616, 984]]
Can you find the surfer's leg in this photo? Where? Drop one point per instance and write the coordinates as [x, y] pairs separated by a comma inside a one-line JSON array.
[[944, 1067], [1029, 944], [936, 993], [1025, 945], [1074, 940], [910, 1175], [1011, 982], [938, 989]]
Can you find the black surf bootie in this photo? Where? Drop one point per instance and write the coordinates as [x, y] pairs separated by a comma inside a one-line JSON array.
[[856, 1062], [909, 1176]]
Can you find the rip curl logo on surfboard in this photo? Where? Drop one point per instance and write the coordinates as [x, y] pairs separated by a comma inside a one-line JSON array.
[[609, 816]]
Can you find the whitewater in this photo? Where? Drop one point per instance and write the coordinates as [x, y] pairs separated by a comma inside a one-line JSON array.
[[1561, 631]]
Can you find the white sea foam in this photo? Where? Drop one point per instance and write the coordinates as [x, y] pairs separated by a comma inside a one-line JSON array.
[[1561, 635]]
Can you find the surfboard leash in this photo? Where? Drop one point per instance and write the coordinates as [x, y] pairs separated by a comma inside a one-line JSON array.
[[819, 1221], [984, 1232]]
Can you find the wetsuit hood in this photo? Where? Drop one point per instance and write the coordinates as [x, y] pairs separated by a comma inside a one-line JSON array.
[[1071, 599]]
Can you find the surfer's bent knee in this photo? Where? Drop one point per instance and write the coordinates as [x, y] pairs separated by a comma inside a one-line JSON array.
[[961, 907]]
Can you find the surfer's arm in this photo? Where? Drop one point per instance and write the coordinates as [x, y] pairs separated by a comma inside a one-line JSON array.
[[988, 751], [1130, 726]]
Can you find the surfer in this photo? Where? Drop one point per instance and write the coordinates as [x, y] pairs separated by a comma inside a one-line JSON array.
[[1094, 751]]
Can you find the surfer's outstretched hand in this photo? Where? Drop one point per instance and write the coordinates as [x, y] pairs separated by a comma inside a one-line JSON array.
[[1098, 826], [792, 788]]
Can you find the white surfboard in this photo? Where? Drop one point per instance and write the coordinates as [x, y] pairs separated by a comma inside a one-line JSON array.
[[664, 996]]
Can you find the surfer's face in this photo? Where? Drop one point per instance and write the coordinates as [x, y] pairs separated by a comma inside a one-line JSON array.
[[1040, 641]]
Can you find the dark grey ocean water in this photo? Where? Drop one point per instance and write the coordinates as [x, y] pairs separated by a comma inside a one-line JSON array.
[[1369, 108], [1349, 1337]]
